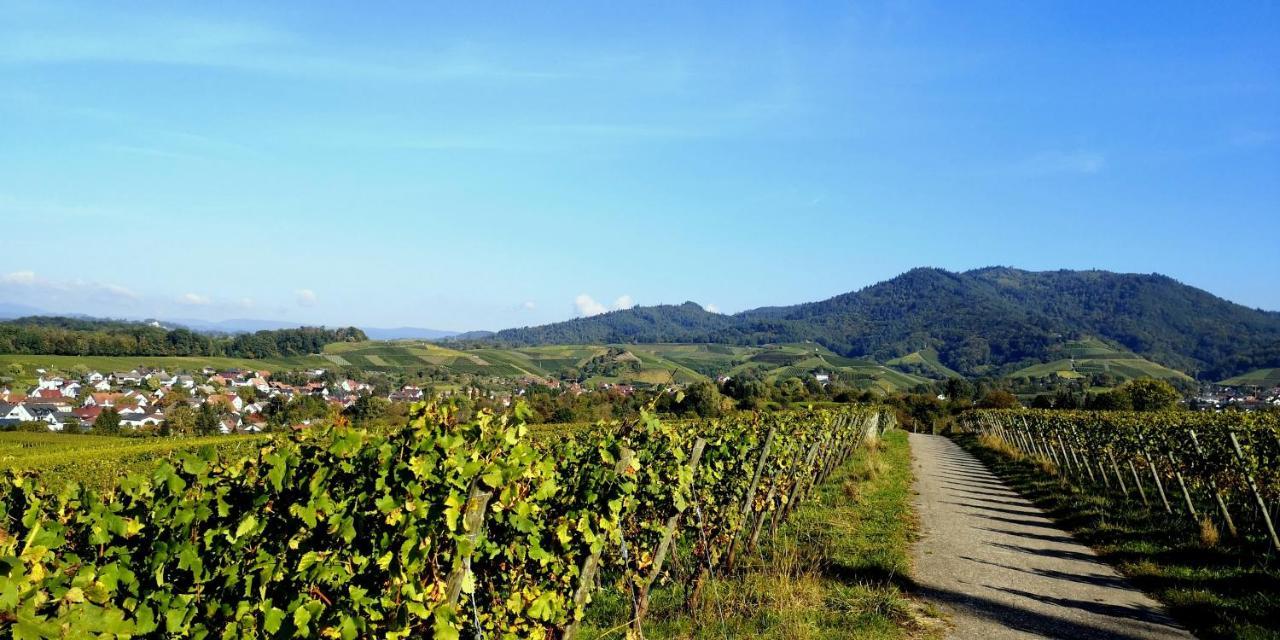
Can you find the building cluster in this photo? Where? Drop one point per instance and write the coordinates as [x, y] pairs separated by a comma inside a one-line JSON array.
[[142, 397], [1247, 398]]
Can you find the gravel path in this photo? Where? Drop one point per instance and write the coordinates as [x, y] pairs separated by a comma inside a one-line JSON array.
[[1001, 569]]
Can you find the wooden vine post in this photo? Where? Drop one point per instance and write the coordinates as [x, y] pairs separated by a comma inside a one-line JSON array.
[[1253, 486], [1154, 474], [1137, 481], [1085, 456], [660, 557], [1186, 495], [1116, 469], [472, 524], [1217, 494], [586, 582], [748, 501], [805, 481]]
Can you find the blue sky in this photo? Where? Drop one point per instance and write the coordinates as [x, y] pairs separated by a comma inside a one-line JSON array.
[[448, 167]]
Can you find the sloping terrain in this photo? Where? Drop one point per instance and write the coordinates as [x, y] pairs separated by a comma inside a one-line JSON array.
[[643, 364], [986, 321], [1090, 356]]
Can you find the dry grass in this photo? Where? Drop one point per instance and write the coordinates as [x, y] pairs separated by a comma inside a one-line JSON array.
[[1209, 536], [996, 443]]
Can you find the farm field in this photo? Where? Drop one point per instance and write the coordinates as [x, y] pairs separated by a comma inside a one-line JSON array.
[[927, 360], [1084, 357], [1255, 378]]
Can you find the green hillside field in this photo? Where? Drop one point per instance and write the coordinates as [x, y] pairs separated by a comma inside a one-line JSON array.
[[1255, 378], [658, 363], [926, 361], [1084, 357]]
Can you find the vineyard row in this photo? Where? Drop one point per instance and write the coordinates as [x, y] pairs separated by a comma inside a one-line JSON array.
[[1223, 466], [445, 528]]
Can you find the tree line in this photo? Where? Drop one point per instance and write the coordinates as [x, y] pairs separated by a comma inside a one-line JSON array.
[[83, 337]]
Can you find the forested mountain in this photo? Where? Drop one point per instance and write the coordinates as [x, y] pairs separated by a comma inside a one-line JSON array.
[[979, 321], [87, 337]]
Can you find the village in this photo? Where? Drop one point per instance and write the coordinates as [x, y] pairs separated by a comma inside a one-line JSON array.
[[145, 399]]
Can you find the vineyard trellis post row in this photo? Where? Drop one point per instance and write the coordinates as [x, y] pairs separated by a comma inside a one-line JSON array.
[[1213, 487], [660, 556], [1186, 495], [1155, 475], [748, 499], [1253, 487]]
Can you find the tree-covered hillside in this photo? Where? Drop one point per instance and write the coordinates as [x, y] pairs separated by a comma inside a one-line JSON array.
[[978, 321]]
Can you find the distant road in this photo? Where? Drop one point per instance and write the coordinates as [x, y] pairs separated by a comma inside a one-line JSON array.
[[1001, 569]]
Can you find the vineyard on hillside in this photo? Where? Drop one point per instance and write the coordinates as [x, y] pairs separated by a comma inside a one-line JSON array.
[[444, 528], [101, 461], [1221, 467]]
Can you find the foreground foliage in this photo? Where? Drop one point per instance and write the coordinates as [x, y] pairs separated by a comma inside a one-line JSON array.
[[442, 528]]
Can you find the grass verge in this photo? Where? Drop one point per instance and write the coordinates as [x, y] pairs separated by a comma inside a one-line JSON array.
[[1217, 588], [829, 573]]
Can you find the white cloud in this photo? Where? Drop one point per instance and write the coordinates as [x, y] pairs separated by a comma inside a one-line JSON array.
[[624, 302], [19, 277], [306, 297], [711, 308], [194, 298], [587, 306], [246, 303], [529, 305], [74, 288]]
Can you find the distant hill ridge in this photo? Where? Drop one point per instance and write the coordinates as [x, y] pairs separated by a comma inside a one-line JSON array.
[[988, 320]]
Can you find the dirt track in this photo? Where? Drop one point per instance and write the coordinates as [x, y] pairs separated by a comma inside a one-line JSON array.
[[1001, 569]]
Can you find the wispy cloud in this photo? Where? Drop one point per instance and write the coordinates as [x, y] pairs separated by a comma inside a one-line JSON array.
[[711, 308], [306, 297], [194, 299], [19, 277], [56, 211], [54, 38], [35, 288], [1081, 161], [624, 302]]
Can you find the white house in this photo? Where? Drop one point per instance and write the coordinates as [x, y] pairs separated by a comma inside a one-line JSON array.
[[59, 421], [144, 420], [48, 383], [230, 424], [15, 412]]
